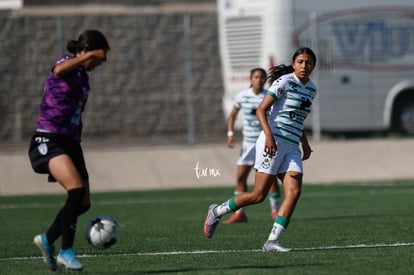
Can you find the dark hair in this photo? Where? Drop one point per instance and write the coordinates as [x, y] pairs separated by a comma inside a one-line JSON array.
[[277, 71], [88, 40], [263, 71]]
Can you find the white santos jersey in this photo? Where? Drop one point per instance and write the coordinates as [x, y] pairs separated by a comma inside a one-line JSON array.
[[292, 105], [247, 101]]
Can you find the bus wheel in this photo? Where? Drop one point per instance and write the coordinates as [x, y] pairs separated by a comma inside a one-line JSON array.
[[405, 119]]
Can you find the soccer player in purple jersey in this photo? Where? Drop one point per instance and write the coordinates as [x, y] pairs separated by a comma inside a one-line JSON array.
[[55, 147]]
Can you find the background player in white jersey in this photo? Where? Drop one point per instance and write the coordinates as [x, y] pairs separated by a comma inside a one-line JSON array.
[[289, 100], [247, 102]]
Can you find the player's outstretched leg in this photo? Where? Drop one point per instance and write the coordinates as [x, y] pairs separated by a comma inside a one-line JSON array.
[[237, 217], [48, 251], [67, 258]]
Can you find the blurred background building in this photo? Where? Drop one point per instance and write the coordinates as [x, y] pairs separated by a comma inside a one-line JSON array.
[[142, 91], [175, 65]]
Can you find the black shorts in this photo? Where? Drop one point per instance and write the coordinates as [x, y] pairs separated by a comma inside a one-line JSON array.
[[44, 146]]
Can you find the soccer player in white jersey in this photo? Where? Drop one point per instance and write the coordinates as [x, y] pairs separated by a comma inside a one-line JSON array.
[[281, 115], [247, 102]]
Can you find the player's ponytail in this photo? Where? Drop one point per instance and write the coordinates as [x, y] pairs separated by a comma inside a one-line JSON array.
[[87, 41], [277, 71], [73, 47]]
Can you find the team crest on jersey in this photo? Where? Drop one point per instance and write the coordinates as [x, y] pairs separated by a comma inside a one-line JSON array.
[[266, 163], [281, 91], [42, 148]]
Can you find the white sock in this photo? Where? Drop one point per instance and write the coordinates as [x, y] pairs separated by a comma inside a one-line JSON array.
[[277, 232], [222, 209], [274, 203]]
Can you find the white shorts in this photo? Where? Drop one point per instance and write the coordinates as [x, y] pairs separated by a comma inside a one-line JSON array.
[[247, 154], [288, 157]]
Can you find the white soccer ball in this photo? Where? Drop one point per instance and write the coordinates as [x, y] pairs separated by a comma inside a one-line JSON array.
[[102, 232]]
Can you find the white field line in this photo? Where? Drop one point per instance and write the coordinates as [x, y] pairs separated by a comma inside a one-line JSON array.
[[200, 252]]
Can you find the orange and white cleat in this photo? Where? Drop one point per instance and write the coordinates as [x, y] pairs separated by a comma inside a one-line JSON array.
[[236, 217]]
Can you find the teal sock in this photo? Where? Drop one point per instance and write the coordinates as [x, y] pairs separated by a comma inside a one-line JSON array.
[[240, 210], [284, 222], [274, 195], [232, 205], [226, 207], [279, 228]]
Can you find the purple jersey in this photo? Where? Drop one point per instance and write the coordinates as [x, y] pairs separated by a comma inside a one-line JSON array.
[[63, 102]]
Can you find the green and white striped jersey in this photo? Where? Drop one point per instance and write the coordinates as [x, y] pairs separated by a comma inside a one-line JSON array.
[[247, 101], [292, 105]]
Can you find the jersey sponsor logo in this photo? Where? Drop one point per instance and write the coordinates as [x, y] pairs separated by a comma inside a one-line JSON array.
[[292, 115], [41, 140], [306, 103]]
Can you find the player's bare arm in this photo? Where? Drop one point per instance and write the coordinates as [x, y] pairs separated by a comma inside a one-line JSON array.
[[230, 127], [97, 56], [307, 150], [270, 145]]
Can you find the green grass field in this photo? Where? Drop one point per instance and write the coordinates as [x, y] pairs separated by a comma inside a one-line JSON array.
[[336, 229]]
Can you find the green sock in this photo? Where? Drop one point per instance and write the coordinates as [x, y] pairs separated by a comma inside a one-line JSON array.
[[240, 210], [232, 205], [226, 207], [284, 222], [279, 227], [274, 195]]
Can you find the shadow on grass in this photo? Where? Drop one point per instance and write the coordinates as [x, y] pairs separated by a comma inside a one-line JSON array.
[[230, 268], [343, 217]]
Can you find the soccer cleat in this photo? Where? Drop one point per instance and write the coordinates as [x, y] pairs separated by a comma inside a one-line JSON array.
[[67, 258], [48, 251], [274, 246], [273, 214], [236, 217], [211, 221]]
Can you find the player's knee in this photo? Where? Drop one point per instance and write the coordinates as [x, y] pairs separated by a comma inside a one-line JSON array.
[[258, 197], [84, 208], [85, 203], [293, 193], [294, 189]]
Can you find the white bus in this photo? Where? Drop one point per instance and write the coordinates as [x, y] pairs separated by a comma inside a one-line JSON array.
[[365, 51]]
